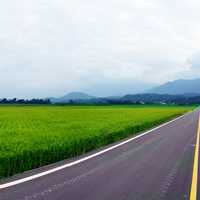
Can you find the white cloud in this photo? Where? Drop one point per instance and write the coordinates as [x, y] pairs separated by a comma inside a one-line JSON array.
[[49, 47]]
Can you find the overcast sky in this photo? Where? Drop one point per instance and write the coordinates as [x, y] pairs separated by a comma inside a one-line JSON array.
[[104, 47]]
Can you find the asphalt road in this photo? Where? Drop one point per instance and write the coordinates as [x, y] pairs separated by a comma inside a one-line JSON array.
[[158, 165]]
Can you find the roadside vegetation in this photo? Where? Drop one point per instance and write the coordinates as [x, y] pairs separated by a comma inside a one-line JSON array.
[[33, 136]]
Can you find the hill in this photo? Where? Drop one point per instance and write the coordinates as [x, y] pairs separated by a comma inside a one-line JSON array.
[[71, 97], [181, 86]]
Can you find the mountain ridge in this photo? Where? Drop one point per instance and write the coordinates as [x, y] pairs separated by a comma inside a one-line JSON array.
[[180, 86]]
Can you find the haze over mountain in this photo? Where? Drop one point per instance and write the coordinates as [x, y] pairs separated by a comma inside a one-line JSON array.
[[180, 86], [72, 96]]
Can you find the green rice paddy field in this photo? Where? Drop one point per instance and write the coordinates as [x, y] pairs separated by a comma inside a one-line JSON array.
[[33, 136]]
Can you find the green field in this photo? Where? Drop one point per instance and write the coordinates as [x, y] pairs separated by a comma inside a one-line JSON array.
[[33, 136]]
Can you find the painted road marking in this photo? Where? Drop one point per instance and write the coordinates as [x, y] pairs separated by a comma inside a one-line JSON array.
[[32, 177], [193, 192]]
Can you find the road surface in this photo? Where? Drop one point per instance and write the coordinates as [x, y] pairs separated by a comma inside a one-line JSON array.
[[158, 165]]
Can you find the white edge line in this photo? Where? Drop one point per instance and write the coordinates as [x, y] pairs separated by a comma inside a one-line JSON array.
[[16, 182]]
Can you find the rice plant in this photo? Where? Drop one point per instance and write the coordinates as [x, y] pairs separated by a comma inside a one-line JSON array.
[[33, 136]]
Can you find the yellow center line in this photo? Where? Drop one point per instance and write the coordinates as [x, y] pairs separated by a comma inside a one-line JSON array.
[[193, 192]]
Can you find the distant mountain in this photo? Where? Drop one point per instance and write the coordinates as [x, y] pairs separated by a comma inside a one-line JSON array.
[[72, 96], [174, 92], [77, 98], [185, 87]]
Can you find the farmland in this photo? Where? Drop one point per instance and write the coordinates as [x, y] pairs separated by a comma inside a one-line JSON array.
[[33, 136]]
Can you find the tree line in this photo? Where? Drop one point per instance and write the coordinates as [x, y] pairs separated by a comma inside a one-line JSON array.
[[24, 101]]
